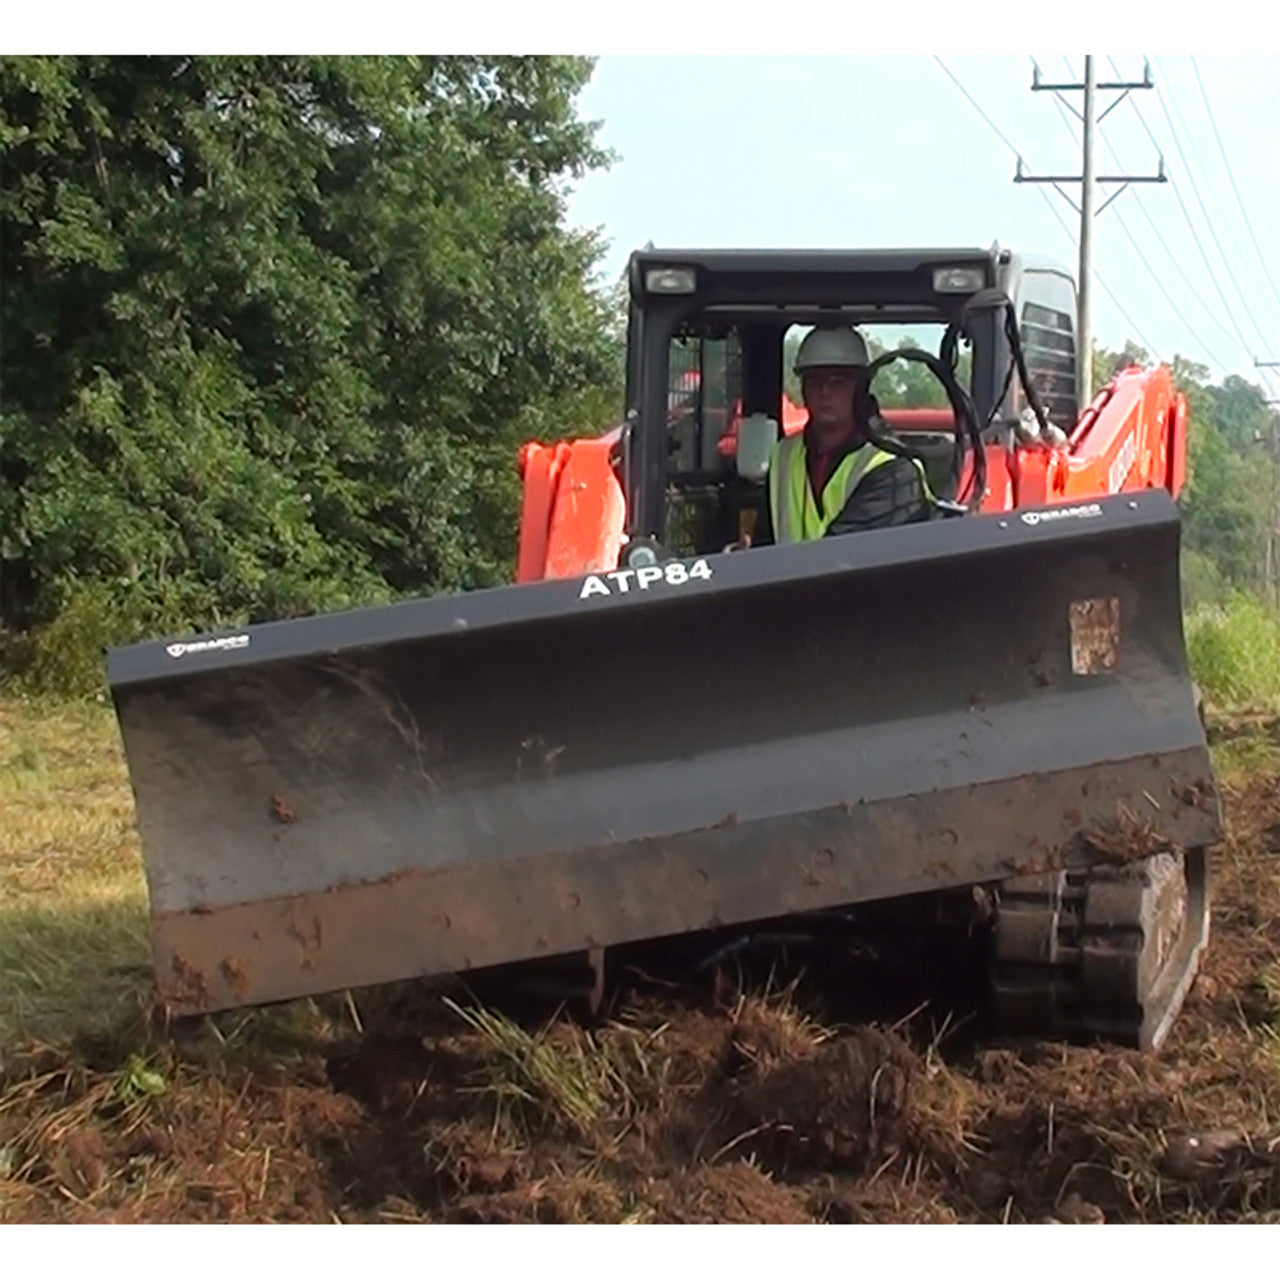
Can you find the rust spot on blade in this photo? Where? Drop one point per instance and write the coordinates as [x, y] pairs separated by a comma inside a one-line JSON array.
[[1198, 793], [236, 974], [307, 934], [1095, 635], [189, 986], [281, 810], [813, 870]]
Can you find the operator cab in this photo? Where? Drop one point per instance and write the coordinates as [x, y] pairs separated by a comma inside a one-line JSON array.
[[712, 339]]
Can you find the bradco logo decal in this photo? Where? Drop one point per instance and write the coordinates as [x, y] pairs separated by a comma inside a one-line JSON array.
[[1086, 512], [180, 649]]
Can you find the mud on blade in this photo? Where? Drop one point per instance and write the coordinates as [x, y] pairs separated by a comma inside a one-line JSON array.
[[465, 781]]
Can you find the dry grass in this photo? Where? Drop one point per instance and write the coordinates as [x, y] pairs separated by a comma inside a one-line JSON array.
[[73, 948]]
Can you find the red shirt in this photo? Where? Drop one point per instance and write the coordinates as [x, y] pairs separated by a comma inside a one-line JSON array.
[[822, 462]]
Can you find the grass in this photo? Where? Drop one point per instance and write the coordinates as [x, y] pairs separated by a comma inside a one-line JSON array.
[[1234, 650], [568, 1077], [73, 947]]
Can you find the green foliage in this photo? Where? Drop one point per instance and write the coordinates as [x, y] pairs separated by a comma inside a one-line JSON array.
[[274, 328], [1235, 652], [1231, 500], [1203, 583], [1232, 483], [136, 1080], [1106, 364], [1225, 502]]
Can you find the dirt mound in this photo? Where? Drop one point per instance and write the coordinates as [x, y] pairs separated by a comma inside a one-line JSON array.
[[734, 1192], [844, 1105], [165, 1141]]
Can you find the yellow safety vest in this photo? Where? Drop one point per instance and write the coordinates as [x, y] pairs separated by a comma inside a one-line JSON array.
[[797, 515]]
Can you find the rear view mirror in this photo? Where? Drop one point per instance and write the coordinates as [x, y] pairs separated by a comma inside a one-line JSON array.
[[757, 435]]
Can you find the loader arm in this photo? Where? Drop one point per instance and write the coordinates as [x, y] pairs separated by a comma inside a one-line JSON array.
[[1133, 436]]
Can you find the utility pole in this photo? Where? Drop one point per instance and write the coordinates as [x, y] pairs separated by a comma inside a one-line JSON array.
[[1084, 299], [1273, 577], [1089, 181]]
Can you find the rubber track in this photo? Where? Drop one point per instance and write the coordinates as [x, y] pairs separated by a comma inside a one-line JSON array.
[[1107, 953]]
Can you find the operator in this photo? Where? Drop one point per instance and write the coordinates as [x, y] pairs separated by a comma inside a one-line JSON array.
[[830, 478]]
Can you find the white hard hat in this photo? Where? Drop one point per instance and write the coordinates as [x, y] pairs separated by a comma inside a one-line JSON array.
[[839, 348]]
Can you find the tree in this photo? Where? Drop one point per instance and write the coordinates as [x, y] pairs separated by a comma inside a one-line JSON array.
[[1229, 500], [1106, 364], [274, 328]]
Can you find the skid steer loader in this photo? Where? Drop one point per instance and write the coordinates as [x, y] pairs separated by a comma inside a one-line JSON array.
[[645, 736]]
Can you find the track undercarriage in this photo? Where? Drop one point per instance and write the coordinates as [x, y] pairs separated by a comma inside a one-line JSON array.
[[1104, 953], [1107, 953]]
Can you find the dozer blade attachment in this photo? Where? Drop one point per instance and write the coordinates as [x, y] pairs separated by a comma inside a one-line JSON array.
[[458, 782]]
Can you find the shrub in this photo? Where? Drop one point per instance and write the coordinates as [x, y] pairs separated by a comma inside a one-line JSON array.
[[1234, 650]]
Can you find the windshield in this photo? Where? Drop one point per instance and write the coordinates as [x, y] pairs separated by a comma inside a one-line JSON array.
[[904, 384]]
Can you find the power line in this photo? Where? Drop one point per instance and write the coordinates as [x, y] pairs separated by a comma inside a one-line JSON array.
[[1173, 257], [1206, 184], [1088, 181], [1146, 342], [1124, 226], [1195, 235], [1239, 200], [1061, 107], [1195, 190], [1177, 311], [973, 102]]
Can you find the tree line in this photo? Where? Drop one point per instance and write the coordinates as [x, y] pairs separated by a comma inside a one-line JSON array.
[[1231, 502], [272, 330]]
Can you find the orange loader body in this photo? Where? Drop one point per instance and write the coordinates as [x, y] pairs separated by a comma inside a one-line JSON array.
[[1133, 436]]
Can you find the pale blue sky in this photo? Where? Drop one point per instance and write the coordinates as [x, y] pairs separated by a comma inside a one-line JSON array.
[[885, 150]]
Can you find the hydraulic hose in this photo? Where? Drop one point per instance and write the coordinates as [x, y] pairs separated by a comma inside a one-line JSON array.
[[967, 434]]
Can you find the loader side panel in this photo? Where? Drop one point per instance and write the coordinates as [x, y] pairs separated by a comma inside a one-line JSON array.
[[459, 782]]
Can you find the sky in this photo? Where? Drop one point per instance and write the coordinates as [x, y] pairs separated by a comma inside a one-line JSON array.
[[885, 150]]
